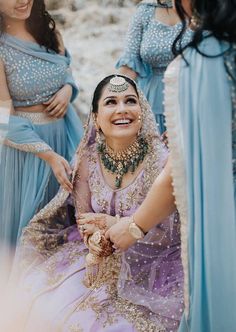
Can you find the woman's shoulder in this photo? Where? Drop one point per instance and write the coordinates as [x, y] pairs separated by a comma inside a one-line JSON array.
[[148, 3], [144, 12], [146, 7]]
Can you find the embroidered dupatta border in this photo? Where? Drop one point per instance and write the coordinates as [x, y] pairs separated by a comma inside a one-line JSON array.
[[28, 147], [173, 122]]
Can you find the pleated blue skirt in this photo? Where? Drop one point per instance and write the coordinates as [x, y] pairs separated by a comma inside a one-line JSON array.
[[153, 88], [26, 182]]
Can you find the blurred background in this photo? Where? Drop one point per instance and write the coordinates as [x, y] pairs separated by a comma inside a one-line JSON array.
[[93, 31]]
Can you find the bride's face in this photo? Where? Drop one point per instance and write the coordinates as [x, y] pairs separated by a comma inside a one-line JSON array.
[[119, 115], [16, 9]]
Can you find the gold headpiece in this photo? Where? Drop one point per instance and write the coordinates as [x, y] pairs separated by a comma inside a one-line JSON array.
[[118, 84]]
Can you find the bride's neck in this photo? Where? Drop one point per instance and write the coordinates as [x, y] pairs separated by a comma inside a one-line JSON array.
[[120, 145]]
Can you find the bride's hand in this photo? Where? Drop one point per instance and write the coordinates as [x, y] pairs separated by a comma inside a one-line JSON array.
[[91, 222]]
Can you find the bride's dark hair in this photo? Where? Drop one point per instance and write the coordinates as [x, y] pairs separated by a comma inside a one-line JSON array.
[[41, 26]]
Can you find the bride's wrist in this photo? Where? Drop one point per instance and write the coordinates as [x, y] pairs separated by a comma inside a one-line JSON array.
[[134, 229]]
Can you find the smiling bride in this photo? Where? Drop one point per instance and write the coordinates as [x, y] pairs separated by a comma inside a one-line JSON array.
[[70, 271]]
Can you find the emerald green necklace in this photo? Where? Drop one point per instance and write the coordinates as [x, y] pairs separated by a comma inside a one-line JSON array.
[[124, 161]]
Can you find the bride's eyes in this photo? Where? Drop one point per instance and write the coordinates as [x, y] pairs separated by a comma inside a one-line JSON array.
[[131, 101], [110, 102]]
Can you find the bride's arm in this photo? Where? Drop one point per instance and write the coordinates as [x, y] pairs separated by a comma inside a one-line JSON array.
[[158, 205]]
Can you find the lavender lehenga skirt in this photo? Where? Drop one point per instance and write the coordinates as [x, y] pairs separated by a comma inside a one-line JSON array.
[[58, 300]]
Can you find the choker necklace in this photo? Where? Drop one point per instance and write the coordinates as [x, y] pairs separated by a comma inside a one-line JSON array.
[[122, 162]]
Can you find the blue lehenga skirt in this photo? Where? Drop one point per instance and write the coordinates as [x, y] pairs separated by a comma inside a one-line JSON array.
[[152, 86], [27, 182]]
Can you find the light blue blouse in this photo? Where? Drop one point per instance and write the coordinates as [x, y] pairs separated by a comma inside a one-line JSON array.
[[31, 79], [148, 51]]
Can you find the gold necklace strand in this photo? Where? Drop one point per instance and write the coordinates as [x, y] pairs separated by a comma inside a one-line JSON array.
[[123, 161], [130, 151]]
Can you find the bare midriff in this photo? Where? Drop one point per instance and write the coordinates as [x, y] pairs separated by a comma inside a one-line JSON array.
[[34, 109]]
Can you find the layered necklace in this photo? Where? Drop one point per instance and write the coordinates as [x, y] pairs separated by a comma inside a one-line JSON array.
[[124, 161]]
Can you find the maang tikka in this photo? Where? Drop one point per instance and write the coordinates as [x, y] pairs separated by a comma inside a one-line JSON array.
[[118, 84]]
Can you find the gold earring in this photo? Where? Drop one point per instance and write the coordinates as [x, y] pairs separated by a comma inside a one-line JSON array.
[[99, 139], [98, 136], [140, 122], [139, 131]]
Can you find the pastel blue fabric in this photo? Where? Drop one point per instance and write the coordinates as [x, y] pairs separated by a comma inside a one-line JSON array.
[[48, 71], [206, 115], [148, 52], [230, 57], [26, 182]]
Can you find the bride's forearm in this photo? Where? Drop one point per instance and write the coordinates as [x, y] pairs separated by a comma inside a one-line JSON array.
[[159, 203]]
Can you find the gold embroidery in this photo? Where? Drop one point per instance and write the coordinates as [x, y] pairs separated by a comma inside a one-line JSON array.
[[131, 197], [172, 107], [36, 117], [74, 250], [28, 147], [110, 309]]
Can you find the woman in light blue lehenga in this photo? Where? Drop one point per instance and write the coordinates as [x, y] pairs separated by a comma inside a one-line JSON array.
[[147, 53], [43, 129]]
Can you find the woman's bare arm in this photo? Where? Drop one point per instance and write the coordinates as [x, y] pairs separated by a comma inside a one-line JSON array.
[[4, 91], [126, 71], [158, 205]]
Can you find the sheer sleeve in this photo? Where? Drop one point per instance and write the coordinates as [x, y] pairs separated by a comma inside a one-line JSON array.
[[81, 194], [21, 135], [131, 56]]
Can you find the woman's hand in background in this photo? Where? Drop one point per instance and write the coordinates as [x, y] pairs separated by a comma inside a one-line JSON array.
[[58, 104], [60, 167]]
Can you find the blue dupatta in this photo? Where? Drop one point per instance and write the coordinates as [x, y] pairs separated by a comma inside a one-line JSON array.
[[199, 121]]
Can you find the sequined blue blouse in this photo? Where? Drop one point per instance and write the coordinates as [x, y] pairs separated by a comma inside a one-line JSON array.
[[148, 51], [32, 76]]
